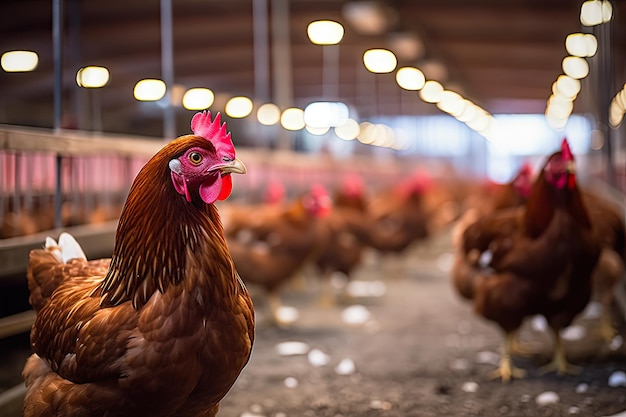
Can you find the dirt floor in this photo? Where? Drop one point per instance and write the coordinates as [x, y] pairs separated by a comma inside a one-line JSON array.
[[407, 346]]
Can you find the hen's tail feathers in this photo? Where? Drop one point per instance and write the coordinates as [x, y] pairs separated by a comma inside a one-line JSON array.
[[48, 268], [67, 248], [70, 249]]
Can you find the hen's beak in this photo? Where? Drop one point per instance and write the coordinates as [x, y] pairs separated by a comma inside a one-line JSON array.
[[233, 167]]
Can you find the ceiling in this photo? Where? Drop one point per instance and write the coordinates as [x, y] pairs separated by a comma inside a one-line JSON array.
[[503, 55]]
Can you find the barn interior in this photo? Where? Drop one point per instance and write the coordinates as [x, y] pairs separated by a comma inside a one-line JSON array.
[[446, 100]]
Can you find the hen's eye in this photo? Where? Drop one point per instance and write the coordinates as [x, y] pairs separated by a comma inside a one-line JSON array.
[[195, 158]]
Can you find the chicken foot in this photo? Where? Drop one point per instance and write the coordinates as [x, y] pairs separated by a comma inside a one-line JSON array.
[[507, 370], [559, 363], [605, 329]]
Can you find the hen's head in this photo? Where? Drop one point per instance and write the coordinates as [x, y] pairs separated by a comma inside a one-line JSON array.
[[352, 186], [205, 170], [317, 201], [560, 169], [523, 181]]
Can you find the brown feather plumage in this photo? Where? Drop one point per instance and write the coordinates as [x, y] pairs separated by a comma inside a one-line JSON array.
[[163, 330], [535, 259]]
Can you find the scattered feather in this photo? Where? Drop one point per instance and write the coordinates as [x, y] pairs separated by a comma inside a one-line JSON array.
[[617, 379], [582, 388], [345, 367], [356, 314], [469, 386], [547, 398], [488, 357], [318, 358], [292, 348], [291, 382], [287, 314]]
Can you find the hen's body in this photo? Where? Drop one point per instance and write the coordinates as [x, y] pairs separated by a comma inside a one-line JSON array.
[[348, 226], [163, 330], [536, 259], [397, 219], [610, 228]]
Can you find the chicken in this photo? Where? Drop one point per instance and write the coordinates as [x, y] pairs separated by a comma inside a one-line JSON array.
[[347, 224], [534, 259], [166, 325], [398, 217], [237, 218], [496, 197], [609, 225], [280, 244]]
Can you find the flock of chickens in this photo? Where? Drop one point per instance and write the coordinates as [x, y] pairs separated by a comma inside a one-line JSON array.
[[166, 325]]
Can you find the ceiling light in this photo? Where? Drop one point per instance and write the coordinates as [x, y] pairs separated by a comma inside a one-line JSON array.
[[581, 45], [325, 32], [238, 107], [451, 103], [469, 111], [559, 107], [566, 86], [292, 119], [317, 131], [431, 92], [595, 12], [410, 78], [379, 61], [149, 90], [367, 133], [92, 77], [198, 99], [575, 67], [325, 114], [268, 114], [19, 61], [348, 131]]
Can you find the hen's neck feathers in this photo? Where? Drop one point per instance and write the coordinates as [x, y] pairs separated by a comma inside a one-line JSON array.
[[157, 230], [545, 200]]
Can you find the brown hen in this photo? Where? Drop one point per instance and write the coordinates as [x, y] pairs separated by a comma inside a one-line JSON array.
[[163, 328], [536, 259]]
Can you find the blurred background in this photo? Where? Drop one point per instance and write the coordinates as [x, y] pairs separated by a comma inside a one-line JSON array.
[[465, 92]]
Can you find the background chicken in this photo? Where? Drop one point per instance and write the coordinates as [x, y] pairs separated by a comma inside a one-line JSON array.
[[348, 225], [537, 259], [609, 225], [399, 217], [494, 197], [280, 243], [167, 326]]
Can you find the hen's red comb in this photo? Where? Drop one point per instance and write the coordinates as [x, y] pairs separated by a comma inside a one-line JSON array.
[[213, 131], [526, 169], [566, 152]]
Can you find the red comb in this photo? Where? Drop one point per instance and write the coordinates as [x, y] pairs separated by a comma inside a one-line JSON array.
[[213, 131], [566, 152], [526, 169]]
